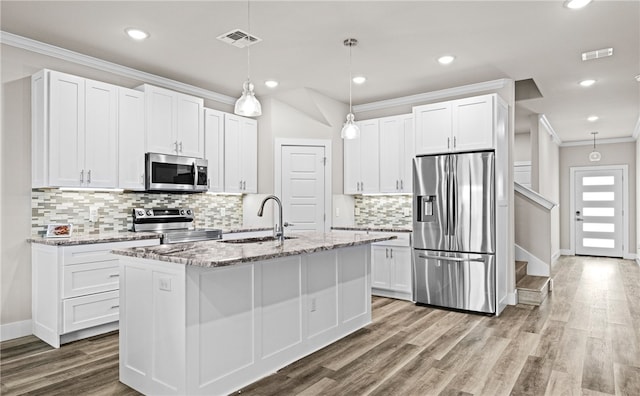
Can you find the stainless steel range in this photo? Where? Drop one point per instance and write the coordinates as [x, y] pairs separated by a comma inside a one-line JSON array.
[[175, 225]]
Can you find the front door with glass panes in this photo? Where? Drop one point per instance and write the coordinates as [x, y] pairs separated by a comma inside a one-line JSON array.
[[599, 212]]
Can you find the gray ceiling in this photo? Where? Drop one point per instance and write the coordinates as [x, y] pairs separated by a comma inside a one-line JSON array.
[[399, 45]]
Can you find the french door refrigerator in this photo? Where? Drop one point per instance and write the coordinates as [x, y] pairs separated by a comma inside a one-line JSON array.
[[454, 231]]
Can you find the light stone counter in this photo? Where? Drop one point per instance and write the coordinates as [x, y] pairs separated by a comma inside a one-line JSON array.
[[86, 239], [373, 228], [220, 254]]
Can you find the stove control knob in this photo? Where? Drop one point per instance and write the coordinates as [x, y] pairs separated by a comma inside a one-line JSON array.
[[189, 212], [140, 212], [149, 213], [182, 212]]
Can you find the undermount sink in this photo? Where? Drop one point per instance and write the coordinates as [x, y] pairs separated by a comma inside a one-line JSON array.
[[255, 239]]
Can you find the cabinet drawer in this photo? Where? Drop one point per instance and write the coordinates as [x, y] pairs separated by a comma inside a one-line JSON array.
[[99, 251], [88, 311], [90, 278]]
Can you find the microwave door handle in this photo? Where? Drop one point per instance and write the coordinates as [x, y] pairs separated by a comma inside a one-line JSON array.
[[194, 171]]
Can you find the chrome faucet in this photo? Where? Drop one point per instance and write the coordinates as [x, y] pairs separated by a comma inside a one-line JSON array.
[[278, 230]]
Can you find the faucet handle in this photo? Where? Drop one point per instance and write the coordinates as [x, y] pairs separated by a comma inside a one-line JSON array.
[[287, 224]]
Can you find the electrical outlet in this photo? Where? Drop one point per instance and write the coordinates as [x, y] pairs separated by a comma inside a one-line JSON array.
[[337, 212], [357, 211], [407, 211], [223, 212], [93, 214], [165, 284]]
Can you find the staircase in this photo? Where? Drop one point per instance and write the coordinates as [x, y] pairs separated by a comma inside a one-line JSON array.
[[532, 290]]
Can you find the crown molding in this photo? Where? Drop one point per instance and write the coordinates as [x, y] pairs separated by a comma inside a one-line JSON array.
[[101, 64], [542, 119], [435, 95], [600, 141]]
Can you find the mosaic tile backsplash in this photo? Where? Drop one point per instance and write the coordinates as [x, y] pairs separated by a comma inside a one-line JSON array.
[[383, 210], [114, 209]]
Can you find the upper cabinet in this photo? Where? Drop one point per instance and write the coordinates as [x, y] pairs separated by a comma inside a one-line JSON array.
[[131, 143], [74, 131], [214, 148], [361, 158], [174, 122], [457, 125], [240, 154], [396, 153]]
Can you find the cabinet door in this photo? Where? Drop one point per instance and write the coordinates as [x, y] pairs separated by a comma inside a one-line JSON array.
[[401, 269], [351, 164], [432, 128], [408, 154], [380, 269], [101, 134], [131, 142], [249, 155], [473, 123], [232, 142], [391, 153], [66, 130], [190, 131], [161, 120], [214, 148], [369, 157]]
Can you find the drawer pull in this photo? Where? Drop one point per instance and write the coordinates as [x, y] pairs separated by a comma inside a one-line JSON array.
[[114, 275], [115, 306]]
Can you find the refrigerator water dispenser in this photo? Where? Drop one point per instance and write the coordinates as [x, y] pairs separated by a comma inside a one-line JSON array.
[[426, 208]]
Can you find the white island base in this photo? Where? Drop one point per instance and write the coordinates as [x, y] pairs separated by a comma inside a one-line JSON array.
[[187, 329]]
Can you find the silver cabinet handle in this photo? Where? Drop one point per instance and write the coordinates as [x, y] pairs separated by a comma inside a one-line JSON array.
[[240, 184], [82, 176], [448, 143], [287, 224], [208, 183], [391, 253], [115, 306], [454, 142], [180, 145], [114, 275], [458, 259], [397, 184], [89, 177], [361, 186], [386, 252], [401, 185], [175, 147]]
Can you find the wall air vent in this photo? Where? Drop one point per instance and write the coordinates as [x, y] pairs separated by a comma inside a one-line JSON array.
[[238, 38], [597, 54]]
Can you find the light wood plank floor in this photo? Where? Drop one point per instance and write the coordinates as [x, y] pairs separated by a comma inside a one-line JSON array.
[[585, 339]]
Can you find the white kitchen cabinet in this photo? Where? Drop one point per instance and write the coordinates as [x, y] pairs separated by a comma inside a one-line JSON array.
[[391, 268], [361, 160], [240, 154], [214, 148], [458, 125], [131, 142], [75, 290], [174, 122], [74, 131], [396, 153]]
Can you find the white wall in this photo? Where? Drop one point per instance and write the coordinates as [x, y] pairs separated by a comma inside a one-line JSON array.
[[522, 147], [549, 182], [637, 197], [612, 154]]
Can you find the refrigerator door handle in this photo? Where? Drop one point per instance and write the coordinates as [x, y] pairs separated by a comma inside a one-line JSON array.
[[458, 259]]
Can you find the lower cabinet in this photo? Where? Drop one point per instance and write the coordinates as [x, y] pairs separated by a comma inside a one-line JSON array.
[[75, 290], [391, 268]]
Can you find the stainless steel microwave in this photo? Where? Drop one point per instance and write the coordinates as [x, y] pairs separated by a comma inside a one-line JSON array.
[[175, 173]]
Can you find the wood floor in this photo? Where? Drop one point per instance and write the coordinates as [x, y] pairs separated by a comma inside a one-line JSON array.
[[583, 340]]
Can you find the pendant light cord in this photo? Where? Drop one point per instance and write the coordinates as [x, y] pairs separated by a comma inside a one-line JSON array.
[[350, 71], [248, 40]]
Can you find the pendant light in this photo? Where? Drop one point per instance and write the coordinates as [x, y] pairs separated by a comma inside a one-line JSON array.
[[247, 105], [350, 130], [594, 156]]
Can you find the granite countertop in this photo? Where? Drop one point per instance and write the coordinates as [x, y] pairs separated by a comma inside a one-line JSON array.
[[374, 228], [85, 239], [245, 229], [220, 254]]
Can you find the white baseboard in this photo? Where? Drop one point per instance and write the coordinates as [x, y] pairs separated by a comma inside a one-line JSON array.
[[638, 260], [630, 256], [556, 256], [566, 252], [13, 330], [512, 298]]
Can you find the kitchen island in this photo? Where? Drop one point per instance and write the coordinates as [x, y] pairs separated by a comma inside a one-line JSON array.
[[211, 317]]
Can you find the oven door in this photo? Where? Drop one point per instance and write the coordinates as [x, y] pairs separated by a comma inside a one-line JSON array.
[[175, 173]]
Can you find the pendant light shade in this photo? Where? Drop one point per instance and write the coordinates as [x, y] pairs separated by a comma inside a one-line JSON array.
[[350, 129], [594, 156], [247, 105]]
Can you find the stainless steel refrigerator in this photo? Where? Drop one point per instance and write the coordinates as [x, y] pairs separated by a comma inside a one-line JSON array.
[[454, 231]]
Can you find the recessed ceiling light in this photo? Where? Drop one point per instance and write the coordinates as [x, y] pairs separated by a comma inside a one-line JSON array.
[[587, 83], [593, 118], [445, 60], [136, 34], [576, 4], [637, 78], [359, 79], [271, 83]]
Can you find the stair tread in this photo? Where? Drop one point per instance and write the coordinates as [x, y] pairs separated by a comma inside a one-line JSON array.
[[520, 263], [532, 282]]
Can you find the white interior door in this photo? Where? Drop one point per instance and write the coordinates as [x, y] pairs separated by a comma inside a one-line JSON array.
[[599, 212], [303, 184]]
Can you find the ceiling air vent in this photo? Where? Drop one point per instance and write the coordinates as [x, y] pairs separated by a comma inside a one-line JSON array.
[[238, 38], [597, 54]]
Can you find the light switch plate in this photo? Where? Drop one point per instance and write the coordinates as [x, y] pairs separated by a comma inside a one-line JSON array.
[[93, 214], [357, 211], [223, 212], [407, 211]]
